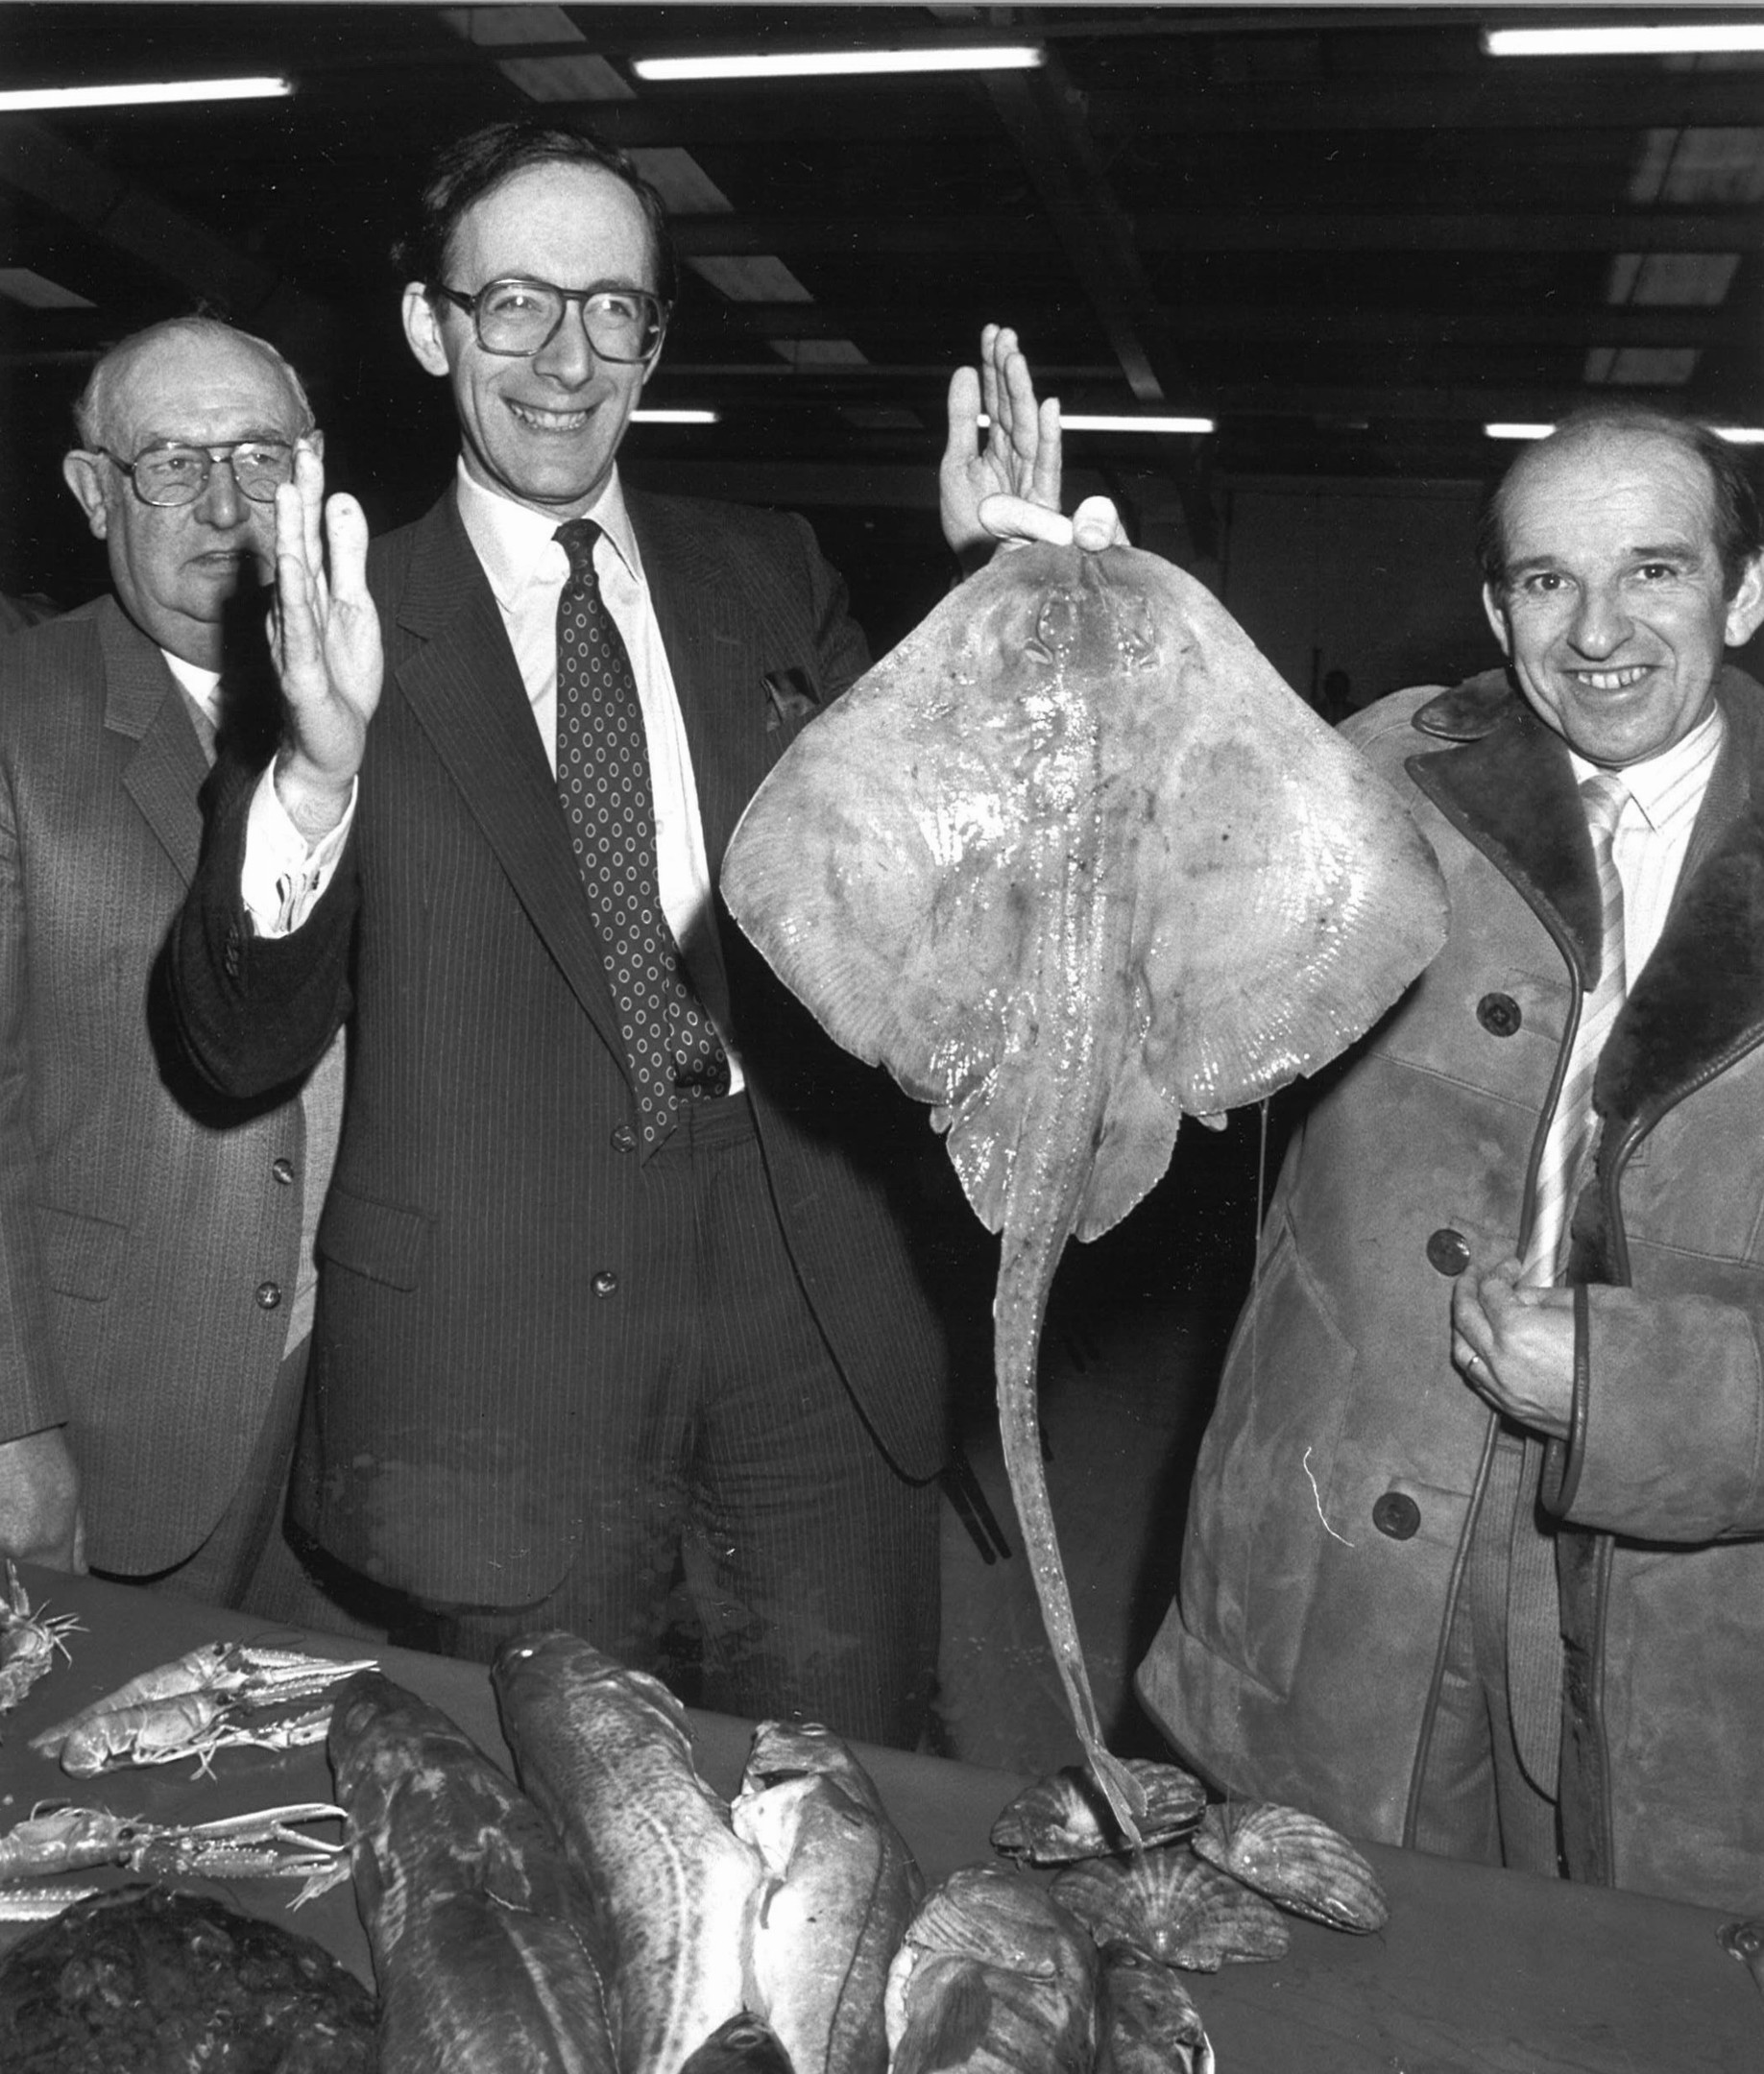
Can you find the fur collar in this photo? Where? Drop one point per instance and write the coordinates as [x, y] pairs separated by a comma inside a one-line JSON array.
[[1699, 1003]]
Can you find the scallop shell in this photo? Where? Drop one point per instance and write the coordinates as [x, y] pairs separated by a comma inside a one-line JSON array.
[[1170, 1904], [1296, 1860], [1064, 1818]]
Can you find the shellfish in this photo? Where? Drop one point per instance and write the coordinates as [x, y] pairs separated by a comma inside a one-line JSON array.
[[1296, 1860], [1173, 1906]]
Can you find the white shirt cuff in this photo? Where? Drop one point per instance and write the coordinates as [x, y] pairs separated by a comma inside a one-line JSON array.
[[283, 876]]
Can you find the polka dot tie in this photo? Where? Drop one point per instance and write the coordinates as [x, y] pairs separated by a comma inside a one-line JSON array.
[[603, 781]]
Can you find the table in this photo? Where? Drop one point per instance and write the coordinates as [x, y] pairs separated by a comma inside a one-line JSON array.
[[1477, 1972]]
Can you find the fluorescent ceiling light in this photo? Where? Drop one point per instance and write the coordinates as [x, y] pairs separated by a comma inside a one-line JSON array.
[[676, 416], [147, 93], [1620, 39], [807, 64], [1736, 435], [1085, 422]]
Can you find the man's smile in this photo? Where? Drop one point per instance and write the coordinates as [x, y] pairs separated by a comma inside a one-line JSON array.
[[1610, 680], [549, 421]]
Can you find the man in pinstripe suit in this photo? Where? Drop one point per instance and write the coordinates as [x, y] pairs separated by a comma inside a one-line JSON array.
[[564, 1375], [155, 1288]]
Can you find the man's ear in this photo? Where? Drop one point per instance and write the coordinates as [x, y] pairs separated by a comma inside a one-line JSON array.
[[1746, 607], [1497, 619], [84, 474], [423, 329]]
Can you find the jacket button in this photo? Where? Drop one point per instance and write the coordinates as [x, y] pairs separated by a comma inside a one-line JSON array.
[[269, 1295], [605, 1282], [1448, 1251], [1499, 1014], [624, 1139], [283, 1170], [1398, 1515]]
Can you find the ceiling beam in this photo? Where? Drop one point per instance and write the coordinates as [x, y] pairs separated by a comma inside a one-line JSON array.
[[1592, 231], [1045, 122], [38, 161], [1490, 98], [1263, 323]]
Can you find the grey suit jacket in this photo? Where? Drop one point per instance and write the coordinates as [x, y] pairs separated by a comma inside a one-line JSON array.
[[148, 1248]]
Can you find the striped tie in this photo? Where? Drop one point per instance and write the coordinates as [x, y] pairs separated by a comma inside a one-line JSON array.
[[1573, 1133]]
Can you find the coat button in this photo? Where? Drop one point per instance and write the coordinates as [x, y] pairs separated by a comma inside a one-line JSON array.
[[269, 1295], [605, 1282], [624, 1139], [1398, 1515], [1448, 1251], [1499, 1014], [283, 1170]]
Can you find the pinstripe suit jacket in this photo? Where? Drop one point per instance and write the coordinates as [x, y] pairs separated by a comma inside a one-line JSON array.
[[138, 1217], [461, 1346]]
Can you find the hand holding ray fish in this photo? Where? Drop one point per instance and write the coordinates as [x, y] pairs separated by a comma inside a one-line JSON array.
[[1070, 862]]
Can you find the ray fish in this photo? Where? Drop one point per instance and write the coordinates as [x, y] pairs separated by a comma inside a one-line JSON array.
[[1070, 862]]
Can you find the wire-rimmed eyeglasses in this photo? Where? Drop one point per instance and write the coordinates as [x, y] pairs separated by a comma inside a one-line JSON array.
[[175, 474], [517, 317]]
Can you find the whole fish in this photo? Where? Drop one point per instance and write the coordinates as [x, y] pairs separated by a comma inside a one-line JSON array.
[[993, 1977], [479, 1930], [1070, 862], [1147, 2021], [841, 1888], [606, 1754]]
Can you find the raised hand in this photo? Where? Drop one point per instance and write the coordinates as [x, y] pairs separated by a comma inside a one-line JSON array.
[[325, 637], [1020, 456]]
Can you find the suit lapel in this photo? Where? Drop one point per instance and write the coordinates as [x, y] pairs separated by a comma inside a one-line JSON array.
[[165, 770], [717, 652], [465, 690]]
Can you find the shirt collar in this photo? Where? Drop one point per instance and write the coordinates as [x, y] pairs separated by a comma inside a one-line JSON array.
[[203, 685], [1662, 785], [517, 544]]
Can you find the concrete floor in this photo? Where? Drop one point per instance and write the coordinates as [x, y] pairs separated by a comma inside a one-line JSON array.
[[1131, 1355]]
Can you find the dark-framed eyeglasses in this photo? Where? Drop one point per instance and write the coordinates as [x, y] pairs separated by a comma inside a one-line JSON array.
[[174, 474], [517, 317]]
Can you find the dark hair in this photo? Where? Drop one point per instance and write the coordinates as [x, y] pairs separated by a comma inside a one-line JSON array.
[[465, 172], [1739, 521]]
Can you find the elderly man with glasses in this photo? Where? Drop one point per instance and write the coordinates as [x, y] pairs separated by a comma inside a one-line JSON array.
[[156, 1278], [622, 1326]]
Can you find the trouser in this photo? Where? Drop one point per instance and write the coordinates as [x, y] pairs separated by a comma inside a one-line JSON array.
[[1477, 1799], [745, 1537]]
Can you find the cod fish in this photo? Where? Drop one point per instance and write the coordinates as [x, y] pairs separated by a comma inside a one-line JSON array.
[[476, 1924], [841, 1888], [606, 1754], [993, 1977], [1070, 862]]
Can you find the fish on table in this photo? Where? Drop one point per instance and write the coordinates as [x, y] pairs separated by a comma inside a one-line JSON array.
[[1072, 863], [482, 1938], [841, 1887], [992, 1977], [606, 1754]]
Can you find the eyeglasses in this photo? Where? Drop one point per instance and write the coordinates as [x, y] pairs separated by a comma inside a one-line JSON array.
[[516, 318], [175, 474]]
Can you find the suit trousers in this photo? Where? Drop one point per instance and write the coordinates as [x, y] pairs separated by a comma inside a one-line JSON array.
[[744, 1536], [1477, 1801]]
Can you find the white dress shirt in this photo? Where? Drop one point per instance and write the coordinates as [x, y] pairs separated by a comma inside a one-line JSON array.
[[526, 569], [1653, 830]]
